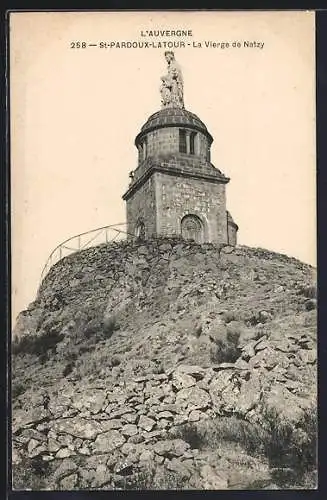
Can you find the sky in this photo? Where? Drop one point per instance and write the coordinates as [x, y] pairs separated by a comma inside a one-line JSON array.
[[74, 115]]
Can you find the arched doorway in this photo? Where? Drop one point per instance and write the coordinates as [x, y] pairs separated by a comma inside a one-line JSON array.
[[192, 228]]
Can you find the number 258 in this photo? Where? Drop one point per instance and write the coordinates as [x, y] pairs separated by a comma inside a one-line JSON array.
[[77, 45]]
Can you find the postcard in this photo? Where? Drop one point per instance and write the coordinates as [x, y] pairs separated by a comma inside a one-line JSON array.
[[163, 169]]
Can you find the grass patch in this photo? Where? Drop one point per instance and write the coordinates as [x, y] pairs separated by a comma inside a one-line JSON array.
[[150, 478], [293, 447], [213, 433], [291, 451]]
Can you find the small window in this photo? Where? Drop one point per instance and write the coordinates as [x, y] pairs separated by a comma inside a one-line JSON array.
[[182, 141], [192, 143]]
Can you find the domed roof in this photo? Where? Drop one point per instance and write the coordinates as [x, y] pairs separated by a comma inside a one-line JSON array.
[[167, 117]]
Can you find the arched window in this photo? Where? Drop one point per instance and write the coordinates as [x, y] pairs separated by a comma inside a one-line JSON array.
[[182, 141], [208, 153], [187, 142], [193, 143], [192, 228]]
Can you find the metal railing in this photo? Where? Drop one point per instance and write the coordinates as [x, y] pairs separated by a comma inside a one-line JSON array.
[[81, 241]]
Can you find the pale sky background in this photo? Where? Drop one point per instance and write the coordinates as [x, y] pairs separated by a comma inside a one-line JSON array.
[[75, 114]]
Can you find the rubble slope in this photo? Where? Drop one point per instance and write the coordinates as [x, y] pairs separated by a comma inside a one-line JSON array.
[[166, 365]]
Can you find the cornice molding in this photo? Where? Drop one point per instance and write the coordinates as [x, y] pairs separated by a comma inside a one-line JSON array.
[[177, 172]]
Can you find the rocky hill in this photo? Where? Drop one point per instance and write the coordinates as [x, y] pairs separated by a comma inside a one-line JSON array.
[[167, 365]]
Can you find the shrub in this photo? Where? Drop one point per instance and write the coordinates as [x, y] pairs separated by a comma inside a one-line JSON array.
[[217, 332], [71, 353], [68, 369], [224, 352], [115, 361], [92, 328], [189, 433], [39, 345], [229, 316], [110, 325], [97, 328], [30, 474], [198, 331], [252, 319], [310, 319], [85, 348], [17, 388], [158, 367], [310, 304], [310, 291], [234, 331], [260, 332]]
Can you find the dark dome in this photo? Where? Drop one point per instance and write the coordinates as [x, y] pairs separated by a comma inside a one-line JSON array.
[[168, 117]]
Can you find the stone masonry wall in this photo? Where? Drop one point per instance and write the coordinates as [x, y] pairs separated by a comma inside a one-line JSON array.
[[142, 204], [163, 141], [177, 197], [204, 146]]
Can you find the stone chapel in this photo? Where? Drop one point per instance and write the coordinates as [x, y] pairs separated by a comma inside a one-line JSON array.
[[175, 189]]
